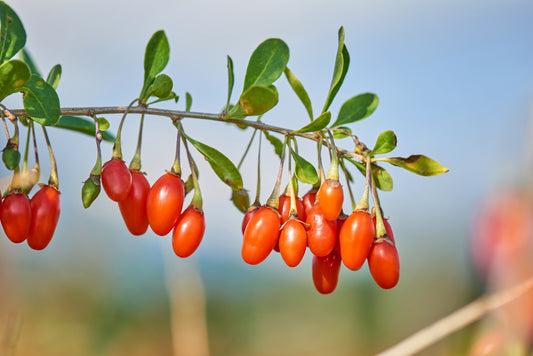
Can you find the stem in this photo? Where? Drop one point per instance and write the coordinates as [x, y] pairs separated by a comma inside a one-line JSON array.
[[363, 203], [176, 114], [333, 172], [135, 164], [247, 149], [196, 201], [381, 232], [35, 145], [26, 151], [293, 211], [53, 180], [258, 187], [5, 126], [352, 199], [117, 147], [320, 167], [97, 169], [273, 200], [176, 166], [458, 320]]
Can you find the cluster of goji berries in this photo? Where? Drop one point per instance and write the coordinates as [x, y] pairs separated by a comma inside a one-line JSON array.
[[32, 220], [158, 206], [317, 223]]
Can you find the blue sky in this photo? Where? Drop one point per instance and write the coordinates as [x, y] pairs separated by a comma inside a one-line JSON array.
[[454, 78]]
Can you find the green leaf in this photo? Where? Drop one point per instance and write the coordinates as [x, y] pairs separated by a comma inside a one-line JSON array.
[[103, 124], [276, 142], [12, 33], [266, 63], [357, 108], [337, 135], [299, 89], [13, 75], [54, 76], [385, 143], [26, 58], [418, 164], [188, 101], [255, 101], [317, 124], [231, 81], [382, 178], [156, 58], [304, 171], [40, 101], [342, 62], [82, 125], [240, 199], [161, 87], [221, 165]]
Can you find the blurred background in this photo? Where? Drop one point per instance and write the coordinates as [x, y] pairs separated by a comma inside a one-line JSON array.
[[455, 82]]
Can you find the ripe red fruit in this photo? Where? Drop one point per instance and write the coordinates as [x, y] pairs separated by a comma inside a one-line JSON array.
[[309, 200], [383, 260], [164, 203], [45, 209], [340, 221], [261, 235], [330, 198], [285, 207], [188, 232], [356, 238], [116, 179], [325, 272], [322, 233], [384, 264], [133, 207], [292, 242], [252, 210], [15, 216]]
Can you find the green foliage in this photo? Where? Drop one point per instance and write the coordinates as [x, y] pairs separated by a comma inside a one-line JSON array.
[[240, 199], [83, 125], [385, 143], [13, 75], [300, 91], [418, 164], [231, 82], [160, 87], [382, 178], [40, 101], [54, 76], [357, 108], [12, 33], [221, 165], [188, 101], [276, 143], [342, 62], [317, 124], [337, 134], [304, 171], [266, 64], [156, 58]]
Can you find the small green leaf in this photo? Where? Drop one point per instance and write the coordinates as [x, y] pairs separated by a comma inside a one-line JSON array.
[[13, 75], [342, 62], [231, 81], [40, 101], [266, 63], [12, 33], [317, 124], [103, 124], [26, 58], [156, 58], [240, 199], [161, 87], [276, 142], [82, 125], [188, 101], [54, 76], [304, 171], [357, 108], [382, 178], [385, 143], [418, 164], [255, 101], [299, 89], [221, 165], [338, 134]]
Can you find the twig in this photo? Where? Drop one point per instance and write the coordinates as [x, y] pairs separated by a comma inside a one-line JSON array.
[[457, 320]]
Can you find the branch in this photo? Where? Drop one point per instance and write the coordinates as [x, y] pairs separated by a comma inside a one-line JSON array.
[[176, 115], [457, 320]]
